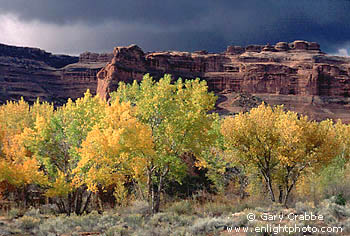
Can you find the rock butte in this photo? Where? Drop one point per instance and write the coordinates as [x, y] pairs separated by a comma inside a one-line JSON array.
[[296, 74]]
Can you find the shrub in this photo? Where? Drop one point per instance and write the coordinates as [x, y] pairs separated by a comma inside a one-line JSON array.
[[162, 230], [340, 200], [182, 207], [346, 225], [119, 230], [92, 222], [33, 212], [48, 209], [302, 207], [203, 226], [162, 217], [332, 180], [14, 213], [332, 211], [28, 222], [139, 207], [216, 208], [134, 220], [221, 207]]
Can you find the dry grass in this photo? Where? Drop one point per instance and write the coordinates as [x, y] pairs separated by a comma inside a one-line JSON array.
[[186, 218]]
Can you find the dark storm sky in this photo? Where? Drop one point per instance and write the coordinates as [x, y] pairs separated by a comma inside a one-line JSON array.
[[75, 26]]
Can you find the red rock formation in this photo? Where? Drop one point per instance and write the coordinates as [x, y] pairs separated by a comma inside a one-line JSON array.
[[36, 54], [297, 74], [33, 73], [90, 57]]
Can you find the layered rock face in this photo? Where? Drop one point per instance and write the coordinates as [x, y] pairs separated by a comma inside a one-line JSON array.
[[296, 74], [36, 54], [32, 73]]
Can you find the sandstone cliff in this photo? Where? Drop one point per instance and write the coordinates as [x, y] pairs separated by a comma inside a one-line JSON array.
[[296, 74], [33, 73]]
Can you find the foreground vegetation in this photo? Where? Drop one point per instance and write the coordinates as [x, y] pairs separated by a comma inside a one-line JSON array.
[[158, 142], [179, 218]]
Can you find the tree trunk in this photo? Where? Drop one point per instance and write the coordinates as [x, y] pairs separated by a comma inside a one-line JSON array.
[[288, 190], [87, 202], [21, 195], [138, 187], [280, 198], [79, 201], [63, 206], [69, 210], [272, 195], [160, 188], [269, 185], [152, 200], [242, 185], [60, 207], [150, 190], [149, 185]]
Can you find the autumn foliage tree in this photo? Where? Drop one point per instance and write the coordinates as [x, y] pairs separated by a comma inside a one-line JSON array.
[[177, 115], [279, 146], [332, 179], [18, 167], [157, 132], [55, 142], [115, 149]]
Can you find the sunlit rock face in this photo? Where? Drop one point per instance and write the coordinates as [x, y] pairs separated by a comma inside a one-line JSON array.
[[296, 74]]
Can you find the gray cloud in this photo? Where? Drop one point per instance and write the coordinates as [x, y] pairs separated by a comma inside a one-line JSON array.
[[73, 26]]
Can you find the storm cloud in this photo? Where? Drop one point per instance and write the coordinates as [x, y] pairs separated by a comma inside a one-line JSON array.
[[74, 26]]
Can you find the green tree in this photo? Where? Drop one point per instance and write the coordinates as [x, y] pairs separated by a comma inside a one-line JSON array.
[[177, 114], [55, 142]]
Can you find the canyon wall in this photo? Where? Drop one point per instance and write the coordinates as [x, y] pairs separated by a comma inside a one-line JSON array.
[[296, 74], [32, 73]]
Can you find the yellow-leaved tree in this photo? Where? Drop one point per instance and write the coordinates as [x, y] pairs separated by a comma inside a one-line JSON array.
[[279, 146], [115, 150], [332, 179], [18, 168], [305, 147]]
